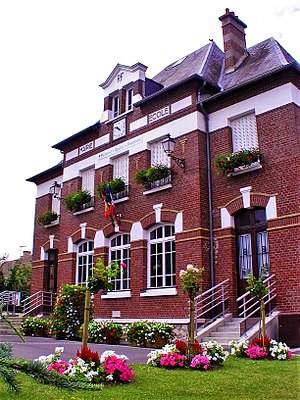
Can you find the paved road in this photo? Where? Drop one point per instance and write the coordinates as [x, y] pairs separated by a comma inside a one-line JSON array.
[[38, 346]]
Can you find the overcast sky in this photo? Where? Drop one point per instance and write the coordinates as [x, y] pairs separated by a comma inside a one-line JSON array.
[[55, 53]]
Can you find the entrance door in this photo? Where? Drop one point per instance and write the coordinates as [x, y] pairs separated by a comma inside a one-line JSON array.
[[252, 245], [51, 271]]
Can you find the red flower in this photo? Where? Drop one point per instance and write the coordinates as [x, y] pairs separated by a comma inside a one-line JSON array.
[[123, 265], [259, 341], [181, 346], [86, 354]]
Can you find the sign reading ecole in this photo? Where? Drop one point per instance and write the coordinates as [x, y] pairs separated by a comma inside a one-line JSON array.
[[159, 114]]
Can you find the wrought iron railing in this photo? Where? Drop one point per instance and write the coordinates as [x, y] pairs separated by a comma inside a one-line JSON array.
[[248, 307], [211, 304], [158, 183], [86, 205], [122, 193], [39, 302], [10, 299]]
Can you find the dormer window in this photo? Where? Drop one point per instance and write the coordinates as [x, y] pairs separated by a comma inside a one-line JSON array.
[[129, 95], [115, 106]]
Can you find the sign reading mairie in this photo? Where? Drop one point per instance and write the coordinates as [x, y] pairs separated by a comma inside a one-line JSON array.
[[86, 147], [159, 114]]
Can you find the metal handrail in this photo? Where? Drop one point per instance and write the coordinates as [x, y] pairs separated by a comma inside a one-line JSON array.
[[249, 306], [213, 301], [38, 299], [9, 298]]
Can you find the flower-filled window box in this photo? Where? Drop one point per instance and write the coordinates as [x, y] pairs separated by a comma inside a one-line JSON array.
[[81, 200], [153, 177], [47, 218], [116, 186], [238, 162]]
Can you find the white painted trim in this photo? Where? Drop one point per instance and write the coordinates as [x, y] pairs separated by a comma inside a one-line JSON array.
[[227, 220], [181, 104], [178, 222], [177, 321], [71, 154], [102, 140], [271, 208], [264, 102], [159, 292], [71, 246], [246, 196], [83, 228], [100, 240], [157, 189], [137, 232], [43, 188], [84, 211], [51, 239], [43, 254], [122, 294], [137, 124], [157, 208]]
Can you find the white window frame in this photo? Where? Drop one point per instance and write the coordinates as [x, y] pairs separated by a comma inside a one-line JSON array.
[[163, 240], [88, 180], [85, 260], [158, 156], [129, 101], [115, 106], [122, 249], [121, 167], [244, 132]]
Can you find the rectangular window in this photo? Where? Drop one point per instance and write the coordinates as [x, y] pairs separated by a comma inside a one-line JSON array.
[[129, 95], [115, 106], [244, 132], [263, 254], [245, 255], [120, 167], [158, 156], [88, 180]]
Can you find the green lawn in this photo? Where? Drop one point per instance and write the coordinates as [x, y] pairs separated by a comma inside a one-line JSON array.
[[240, 379]]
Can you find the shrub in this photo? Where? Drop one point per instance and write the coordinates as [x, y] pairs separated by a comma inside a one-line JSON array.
[[68, 312], [143, 333], [154, 173], [75, 201], [104, 332], [6, 350], [35, 326], [272, 349], [225, 163], [115, 185], [47, 217]]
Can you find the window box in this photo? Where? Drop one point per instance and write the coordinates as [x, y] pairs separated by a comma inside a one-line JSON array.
[[80, 201], [154, 178], [238, 162], [48, 218]]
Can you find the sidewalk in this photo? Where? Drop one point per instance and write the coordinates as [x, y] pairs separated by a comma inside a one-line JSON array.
[[40, 346]]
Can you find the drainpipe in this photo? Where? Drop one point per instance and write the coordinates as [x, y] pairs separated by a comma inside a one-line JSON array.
[[210, 208]]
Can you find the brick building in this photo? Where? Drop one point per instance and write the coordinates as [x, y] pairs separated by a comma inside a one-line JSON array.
[[210, 102]]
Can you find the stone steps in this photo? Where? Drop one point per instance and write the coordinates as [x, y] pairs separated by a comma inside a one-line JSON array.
[[224, 333], [5, 329]]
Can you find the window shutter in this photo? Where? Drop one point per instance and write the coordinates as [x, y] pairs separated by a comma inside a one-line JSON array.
[[120, 167], [158, 156], [88, 177], [244, 132]]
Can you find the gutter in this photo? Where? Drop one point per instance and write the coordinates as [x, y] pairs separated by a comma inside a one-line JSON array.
[[209, 186]]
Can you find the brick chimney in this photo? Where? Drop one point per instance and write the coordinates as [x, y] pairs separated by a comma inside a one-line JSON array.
[[234, 40]]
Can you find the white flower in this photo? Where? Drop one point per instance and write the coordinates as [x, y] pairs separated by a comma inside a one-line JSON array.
[[190, 267], [182, 273]]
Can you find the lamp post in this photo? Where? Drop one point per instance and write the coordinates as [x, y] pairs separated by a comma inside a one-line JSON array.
[[168, 146], [55, 191]]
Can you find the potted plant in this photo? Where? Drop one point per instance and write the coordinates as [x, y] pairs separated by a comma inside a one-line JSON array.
[[152, 174], [116, 185], [149, 333], [47, 217], [75, 201], [226, 163]]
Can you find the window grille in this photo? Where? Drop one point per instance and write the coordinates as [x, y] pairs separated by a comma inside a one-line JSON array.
[[120, 167], [244, 133], [245, 255], [158, 156], [85, 262], [88, 179], [120, 252]]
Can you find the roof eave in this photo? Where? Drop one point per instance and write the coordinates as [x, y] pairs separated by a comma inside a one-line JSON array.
[[60, 145]]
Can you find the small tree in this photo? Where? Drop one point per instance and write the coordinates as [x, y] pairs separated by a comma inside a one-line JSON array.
[[258, 290], [19, 277], [191, 279]]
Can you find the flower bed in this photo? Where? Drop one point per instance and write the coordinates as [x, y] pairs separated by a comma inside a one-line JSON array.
[[149, 334], [35, 326], [258, 348], [104, 332], [201, 357], [89, 367], [226, 163]]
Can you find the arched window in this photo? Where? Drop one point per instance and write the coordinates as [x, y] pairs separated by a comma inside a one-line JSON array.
[[252, 243], [85, 262], [120, 252], [161, 272]]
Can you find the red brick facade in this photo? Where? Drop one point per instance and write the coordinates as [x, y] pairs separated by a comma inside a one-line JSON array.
[[274, 188]]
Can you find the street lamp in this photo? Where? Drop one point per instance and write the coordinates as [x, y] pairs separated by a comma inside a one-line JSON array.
[[168, 146]]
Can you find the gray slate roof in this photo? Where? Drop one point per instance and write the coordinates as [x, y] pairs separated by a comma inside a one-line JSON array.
[[207, 62]]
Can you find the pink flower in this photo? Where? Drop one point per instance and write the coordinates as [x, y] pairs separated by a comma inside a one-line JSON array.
[[59, 366], [256, 352], [200, 362], [123, 265]]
